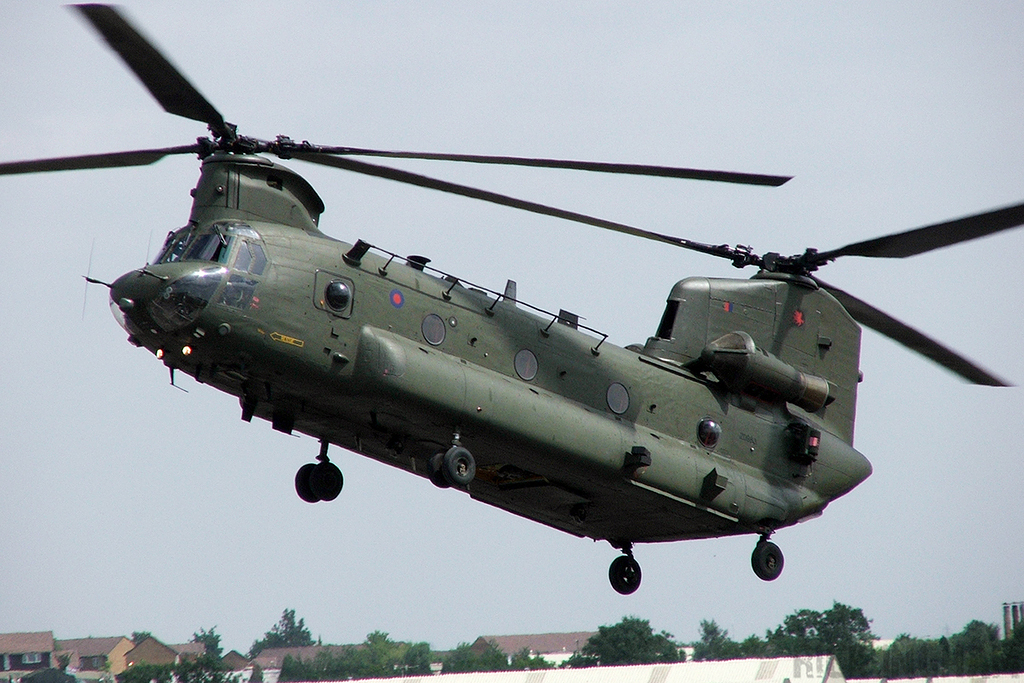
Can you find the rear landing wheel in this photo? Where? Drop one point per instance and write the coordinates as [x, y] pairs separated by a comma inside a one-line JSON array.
[[767, 560], [458, 466], [624, 574]]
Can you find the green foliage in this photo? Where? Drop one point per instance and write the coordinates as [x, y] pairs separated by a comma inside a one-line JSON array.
[[715, 644], [464, 659], [631, 641], [144, 673], [203, 669], [377, 657], [842, 631], [285, 633], [210, 640]]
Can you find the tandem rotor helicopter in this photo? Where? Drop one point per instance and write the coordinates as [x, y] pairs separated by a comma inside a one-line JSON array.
[[735, 417]]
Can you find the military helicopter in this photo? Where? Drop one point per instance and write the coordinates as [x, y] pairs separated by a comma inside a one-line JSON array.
[[735, 417]]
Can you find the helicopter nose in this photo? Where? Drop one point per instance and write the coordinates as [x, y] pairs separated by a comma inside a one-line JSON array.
[[130, 292]]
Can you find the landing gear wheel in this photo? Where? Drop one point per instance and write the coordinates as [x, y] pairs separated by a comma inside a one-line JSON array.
[[325, 481], [767, 560], [434, 468], [624, 574], [458, 466], [302, 483]]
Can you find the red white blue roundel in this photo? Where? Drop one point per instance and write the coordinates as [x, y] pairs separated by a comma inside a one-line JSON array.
[[397, 298]]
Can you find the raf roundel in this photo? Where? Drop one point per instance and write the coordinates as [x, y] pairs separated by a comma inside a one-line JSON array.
[[397, 298]]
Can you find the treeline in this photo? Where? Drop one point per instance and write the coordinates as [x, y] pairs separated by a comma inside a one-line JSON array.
[[977, 650], [843, 631]]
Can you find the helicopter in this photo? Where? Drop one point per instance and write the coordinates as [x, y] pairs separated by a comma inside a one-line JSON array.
[[733, 418]]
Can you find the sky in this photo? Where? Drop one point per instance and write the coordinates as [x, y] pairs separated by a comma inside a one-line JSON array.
[[127, 504]]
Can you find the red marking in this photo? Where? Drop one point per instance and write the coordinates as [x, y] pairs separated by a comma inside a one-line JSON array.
[[798, 318]]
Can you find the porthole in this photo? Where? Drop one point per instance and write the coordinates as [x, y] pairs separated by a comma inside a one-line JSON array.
[[433, 329], [618, 398], [708, 433], [526, 364], [338, 295]]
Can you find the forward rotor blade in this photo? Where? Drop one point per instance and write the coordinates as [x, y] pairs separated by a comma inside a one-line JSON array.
[[493, 197], [917, 341], [929, 237], [596, 166], [140, 157], [170, 88]]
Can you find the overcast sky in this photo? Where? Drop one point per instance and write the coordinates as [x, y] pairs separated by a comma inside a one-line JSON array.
[[126, 504]]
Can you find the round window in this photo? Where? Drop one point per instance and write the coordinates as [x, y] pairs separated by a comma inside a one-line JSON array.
[[526, 364], [338, 295], [433, 329], [618, 398], [708, 433]]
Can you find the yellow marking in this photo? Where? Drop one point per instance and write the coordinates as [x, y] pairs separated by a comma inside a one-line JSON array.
[[285, 339]]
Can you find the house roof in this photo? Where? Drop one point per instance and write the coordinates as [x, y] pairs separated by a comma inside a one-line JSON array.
[[541, 643], [190, 649], [235, 661], [20, 643], [273, 657], [90, 647]]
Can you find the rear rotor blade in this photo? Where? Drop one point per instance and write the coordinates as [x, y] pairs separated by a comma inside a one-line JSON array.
[[141, 157], [597, 166], [917, 341], [493, 197], [929, 237], [170, 88]]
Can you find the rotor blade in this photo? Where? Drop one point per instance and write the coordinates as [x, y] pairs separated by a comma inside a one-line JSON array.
[[170, 88], [495, 198], [597, 166], [900, 332], [140, 157], [929, 237]]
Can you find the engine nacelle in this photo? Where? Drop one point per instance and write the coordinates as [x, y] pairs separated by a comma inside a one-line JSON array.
[[738, 363]]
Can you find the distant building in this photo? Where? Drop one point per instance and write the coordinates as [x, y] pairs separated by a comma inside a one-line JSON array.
[[552, 647], [26, 652], [88, 658], [151, 651]]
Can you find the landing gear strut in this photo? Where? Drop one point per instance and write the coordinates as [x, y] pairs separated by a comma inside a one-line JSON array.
[[624, 572], [320, 480], [767, 560]]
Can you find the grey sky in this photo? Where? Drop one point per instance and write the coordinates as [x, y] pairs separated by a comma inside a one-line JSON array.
[[127, 504]]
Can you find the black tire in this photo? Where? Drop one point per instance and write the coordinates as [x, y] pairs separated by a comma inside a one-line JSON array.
[[326, 481], [434, 469], [767, 561], [458, 466], [302, 483], [624, 574]]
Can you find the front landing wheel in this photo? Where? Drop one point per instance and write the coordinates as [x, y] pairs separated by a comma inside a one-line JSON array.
[[624, 574], [767, 560]]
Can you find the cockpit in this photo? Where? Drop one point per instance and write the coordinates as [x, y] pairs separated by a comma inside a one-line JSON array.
[[230, 261], [216, 246]]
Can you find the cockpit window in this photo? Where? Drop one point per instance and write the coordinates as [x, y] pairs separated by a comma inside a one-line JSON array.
[[250, 258], [214, 247], [208, 247]]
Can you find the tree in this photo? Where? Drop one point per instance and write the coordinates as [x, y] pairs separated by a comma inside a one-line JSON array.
[[464, 659], [210, 640], [842, 631], [976, 650], [631, 641], [145, 673], [139, 636], [285, 633], [715, 643], [202, 669]]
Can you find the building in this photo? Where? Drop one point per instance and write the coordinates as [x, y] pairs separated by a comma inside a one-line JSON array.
[[26, 652], [552, 647], [89, 658]]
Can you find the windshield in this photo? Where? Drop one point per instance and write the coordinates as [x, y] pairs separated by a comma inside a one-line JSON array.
[[213, 245]]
